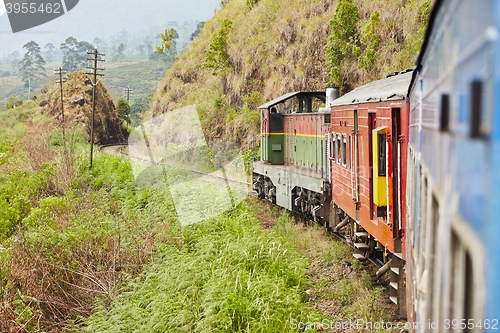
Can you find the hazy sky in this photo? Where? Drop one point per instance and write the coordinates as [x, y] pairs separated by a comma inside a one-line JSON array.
[[102, 18]]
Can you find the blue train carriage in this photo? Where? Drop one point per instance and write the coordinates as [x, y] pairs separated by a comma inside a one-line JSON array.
[[454, 172], [293, 171]]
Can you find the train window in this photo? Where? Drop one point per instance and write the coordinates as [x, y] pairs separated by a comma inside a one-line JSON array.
[[381, 154], [434, 286], [339, 151], [333, 148], [476, 109], [344, 150], [466, 274], [445, 113], [328, 118], [351, 153]]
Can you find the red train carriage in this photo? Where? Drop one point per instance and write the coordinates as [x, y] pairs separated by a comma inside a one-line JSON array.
[[369, 131]]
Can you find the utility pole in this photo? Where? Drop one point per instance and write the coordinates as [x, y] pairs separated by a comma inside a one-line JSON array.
[[93, 57], [127, 91], [61, 79]]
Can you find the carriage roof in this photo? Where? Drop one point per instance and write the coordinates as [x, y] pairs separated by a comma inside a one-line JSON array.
[[394, 87]]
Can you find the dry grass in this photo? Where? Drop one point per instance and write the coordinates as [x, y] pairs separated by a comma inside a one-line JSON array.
[[275, 48]]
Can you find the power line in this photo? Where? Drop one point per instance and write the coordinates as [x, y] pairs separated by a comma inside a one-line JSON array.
[[94, 57]]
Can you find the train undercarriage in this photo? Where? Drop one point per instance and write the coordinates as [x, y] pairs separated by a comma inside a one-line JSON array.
[[309, 196], [294, 189]]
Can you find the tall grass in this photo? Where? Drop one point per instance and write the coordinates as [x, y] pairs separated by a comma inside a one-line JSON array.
[[228, 276]]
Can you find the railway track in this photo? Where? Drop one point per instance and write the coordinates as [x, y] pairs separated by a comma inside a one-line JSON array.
[[122, 149]]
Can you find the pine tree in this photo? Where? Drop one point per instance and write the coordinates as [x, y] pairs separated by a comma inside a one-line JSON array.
[[32, 65], [119, 56], [75, 53], [50, 51]]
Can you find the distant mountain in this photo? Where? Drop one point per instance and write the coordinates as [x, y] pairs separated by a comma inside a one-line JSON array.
[[103, 18]]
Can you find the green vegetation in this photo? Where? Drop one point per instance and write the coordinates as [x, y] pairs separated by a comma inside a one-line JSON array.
[[280, 46], [72, 238], [371, 40], [123, 109], [228, 276], [217, 58], [106, 250], [342, 42], [75, 53]]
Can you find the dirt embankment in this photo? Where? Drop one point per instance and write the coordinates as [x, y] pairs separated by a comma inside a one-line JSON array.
[[77, 98]]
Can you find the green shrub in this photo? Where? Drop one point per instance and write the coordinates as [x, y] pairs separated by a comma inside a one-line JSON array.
[[217, 58]]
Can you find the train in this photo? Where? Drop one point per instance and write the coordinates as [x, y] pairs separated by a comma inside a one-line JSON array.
[[407, 169]]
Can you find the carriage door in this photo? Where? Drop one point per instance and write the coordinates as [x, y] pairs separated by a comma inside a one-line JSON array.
[[372, 123], [356, 161], [396, 167]]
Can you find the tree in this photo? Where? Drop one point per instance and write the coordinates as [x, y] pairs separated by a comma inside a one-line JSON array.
[[50, 51], [123, 37], [75, 53], [141, 49], [168, 43], [158, 58], [32, 65], [137, 109], [371, 40], [123, 109], [197, 31], [217, 58], [119, 56], [149, 45], [13, 59], [342, 42], [97, 42]]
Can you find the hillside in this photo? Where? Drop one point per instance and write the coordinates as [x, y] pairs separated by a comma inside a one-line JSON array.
[[252, 51]]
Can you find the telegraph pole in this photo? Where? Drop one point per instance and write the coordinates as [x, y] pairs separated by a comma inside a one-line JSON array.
[[61, 79], [127, 91], [93, 57]]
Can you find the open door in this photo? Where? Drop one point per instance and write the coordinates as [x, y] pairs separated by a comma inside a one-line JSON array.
[[396, 170], [380, 172]]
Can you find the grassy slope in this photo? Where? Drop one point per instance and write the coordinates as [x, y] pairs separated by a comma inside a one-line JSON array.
[[275, 47]]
